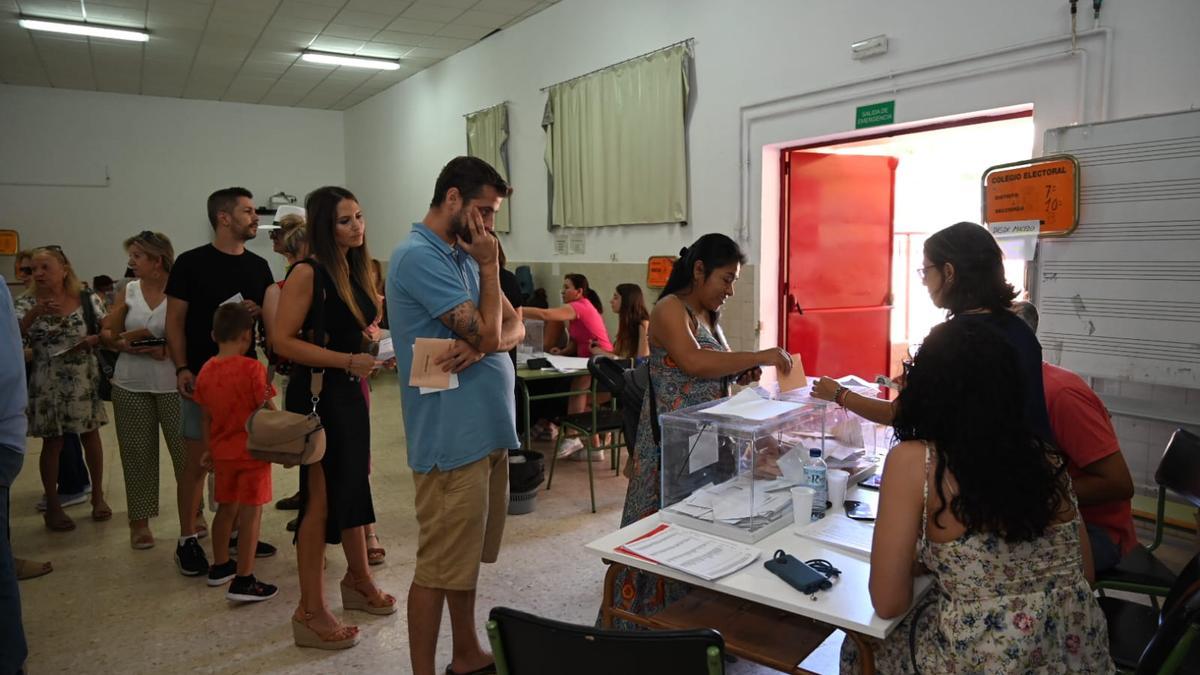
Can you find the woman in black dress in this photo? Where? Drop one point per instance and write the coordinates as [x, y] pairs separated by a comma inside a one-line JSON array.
[[332, 292]]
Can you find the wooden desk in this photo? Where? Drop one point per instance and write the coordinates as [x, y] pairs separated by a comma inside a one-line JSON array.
[[762, 618]]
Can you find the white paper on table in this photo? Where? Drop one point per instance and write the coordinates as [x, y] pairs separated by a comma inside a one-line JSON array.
[[702, 449], [567, 364], [235, 298], [386, 350], [855, 381], [736, 506], [842, 532], [692, 552], [747, 404], [836, 450]]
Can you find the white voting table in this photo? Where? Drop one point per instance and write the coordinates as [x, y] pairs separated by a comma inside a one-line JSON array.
[[846, 606]]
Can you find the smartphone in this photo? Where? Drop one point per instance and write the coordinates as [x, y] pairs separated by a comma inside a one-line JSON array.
[[148, 342], [871, 483], [858, 510]]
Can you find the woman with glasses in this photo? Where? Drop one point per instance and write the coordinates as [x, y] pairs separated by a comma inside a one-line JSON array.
[[144, 395], [64, 395], [963, 271]]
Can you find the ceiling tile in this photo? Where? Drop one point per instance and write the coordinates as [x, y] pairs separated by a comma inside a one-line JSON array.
[[157, 21], [162, 87], [217, 38], [284, 97], [276, 38], [257, 68], [354, 32], [506, 6], [383, 50], [406, 25], [271, 57], [365, 19], [116, 16], [292, 23], [462, 31], [52, 9], [134, 4], [430, 53], [458, 4], [453, 44], [475, 17], [426, 12], [397, 38], [306, 10], [381, 6], [253, 5], [336, 44]]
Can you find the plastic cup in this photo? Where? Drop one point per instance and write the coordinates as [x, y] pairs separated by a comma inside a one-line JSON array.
[[837, 481], [802, 502]]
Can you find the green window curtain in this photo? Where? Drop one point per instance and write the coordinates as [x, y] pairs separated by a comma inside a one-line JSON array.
[[487, 139], [616, 146]]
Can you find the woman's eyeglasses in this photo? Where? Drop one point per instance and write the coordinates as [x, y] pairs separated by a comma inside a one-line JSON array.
[[922, 271], [25, 270]]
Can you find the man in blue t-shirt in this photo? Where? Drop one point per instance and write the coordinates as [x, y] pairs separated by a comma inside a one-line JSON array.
[[444, 282]]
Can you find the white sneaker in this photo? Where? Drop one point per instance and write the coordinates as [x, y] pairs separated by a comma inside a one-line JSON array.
[[595, 456], [569, 447]]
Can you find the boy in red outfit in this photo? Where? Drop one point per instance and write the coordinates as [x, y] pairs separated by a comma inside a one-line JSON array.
[[230, 387]]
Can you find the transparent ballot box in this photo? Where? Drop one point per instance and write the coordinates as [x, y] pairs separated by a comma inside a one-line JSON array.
[[730, 475], [531, 346]]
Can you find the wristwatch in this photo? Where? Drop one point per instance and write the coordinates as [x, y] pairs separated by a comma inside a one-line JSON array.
[[180, 369]]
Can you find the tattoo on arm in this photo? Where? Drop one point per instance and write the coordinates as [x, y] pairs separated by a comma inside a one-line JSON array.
[[464, 321]]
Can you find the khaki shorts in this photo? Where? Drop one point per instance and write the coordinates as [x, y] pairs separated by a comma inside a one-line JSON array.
[[460, 514]]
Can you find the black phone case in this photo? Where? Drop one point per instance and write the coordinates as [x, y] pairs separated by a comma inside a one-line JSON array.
[[797, 574], [535, 364]]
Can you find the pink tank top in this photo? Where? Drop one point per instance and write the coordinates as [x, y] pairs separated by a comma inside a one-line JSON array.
[[587, 326]]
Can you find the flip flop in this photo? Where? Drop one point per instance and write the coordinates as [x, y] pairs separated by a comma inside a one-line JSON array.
[[28, 569], [141, 538], [101, 513], [486, 670], [56, 524]]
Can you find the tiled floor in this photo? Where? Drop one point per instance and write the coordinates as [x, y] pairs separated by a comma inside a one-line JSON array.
[[108, 609]]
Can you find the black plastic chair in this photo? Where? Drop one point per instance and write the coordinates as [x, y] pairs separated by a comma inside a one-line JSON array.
[[1144, 641], [587, 425], [1140, 571], [524, 644]]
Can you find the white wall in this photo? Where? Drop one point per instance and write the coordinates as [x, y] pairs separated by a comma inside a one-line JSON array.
[[164, 157], [746, 54]]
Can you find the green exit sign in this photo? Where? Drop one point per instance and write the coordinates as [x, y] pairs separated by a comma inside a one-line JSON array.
[[874, 115]]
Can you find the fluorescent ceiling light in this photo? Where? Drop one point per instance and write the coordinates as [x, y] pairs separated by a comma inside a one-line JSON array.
[[351, 61], [88, 29]]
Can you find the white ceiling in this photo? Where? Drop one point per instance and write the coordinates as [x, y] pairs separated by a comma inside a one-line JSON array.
[[246, 50]]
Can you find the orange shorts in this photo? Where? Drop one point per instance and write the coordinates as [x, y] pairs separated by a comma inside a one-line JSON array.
[[242, 481]]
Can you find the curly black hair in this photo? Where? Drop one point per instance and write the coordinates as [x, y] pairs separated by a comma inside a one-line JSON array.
[[979, 281], [965, 395]]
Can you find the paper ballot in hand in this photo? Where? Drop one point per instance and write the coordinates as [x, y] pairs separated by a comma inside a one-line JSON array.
[[794, 379], [426, 373]]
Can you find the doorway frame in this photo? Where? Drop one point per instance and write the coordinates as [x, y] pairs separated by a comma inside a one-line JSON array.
[[891, 131]]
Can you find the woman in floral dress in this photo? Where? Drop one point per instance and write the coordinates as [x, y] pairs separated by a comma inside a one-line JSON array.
[[64, 395], [690, 363], [988, 508]]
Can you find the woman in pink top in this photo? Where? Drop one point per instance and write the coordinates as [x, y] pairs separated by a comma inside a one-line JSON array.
[[581, 308]]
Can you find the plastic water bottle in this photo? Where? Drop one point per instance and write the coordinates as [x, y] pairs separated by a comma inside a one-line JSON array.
[[815, 473]]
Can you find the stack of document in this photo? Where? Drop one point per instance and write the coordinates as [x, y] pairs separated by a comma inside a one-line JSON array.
[[567, 364], [700, 555], [840, 531], [730, 503]]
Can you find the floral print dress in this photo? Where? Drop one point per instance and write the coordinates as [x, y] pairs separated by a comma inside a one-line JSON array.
[[998, 607], [673, 389], [63, 394]]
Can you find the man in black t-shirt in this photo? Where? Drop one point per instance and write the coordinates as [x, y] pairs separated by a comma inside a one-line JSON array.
[[201, 280]]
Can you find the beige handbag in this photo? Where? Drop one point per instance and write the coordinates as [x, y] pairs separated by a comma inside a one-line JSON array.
[[288, 438]]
